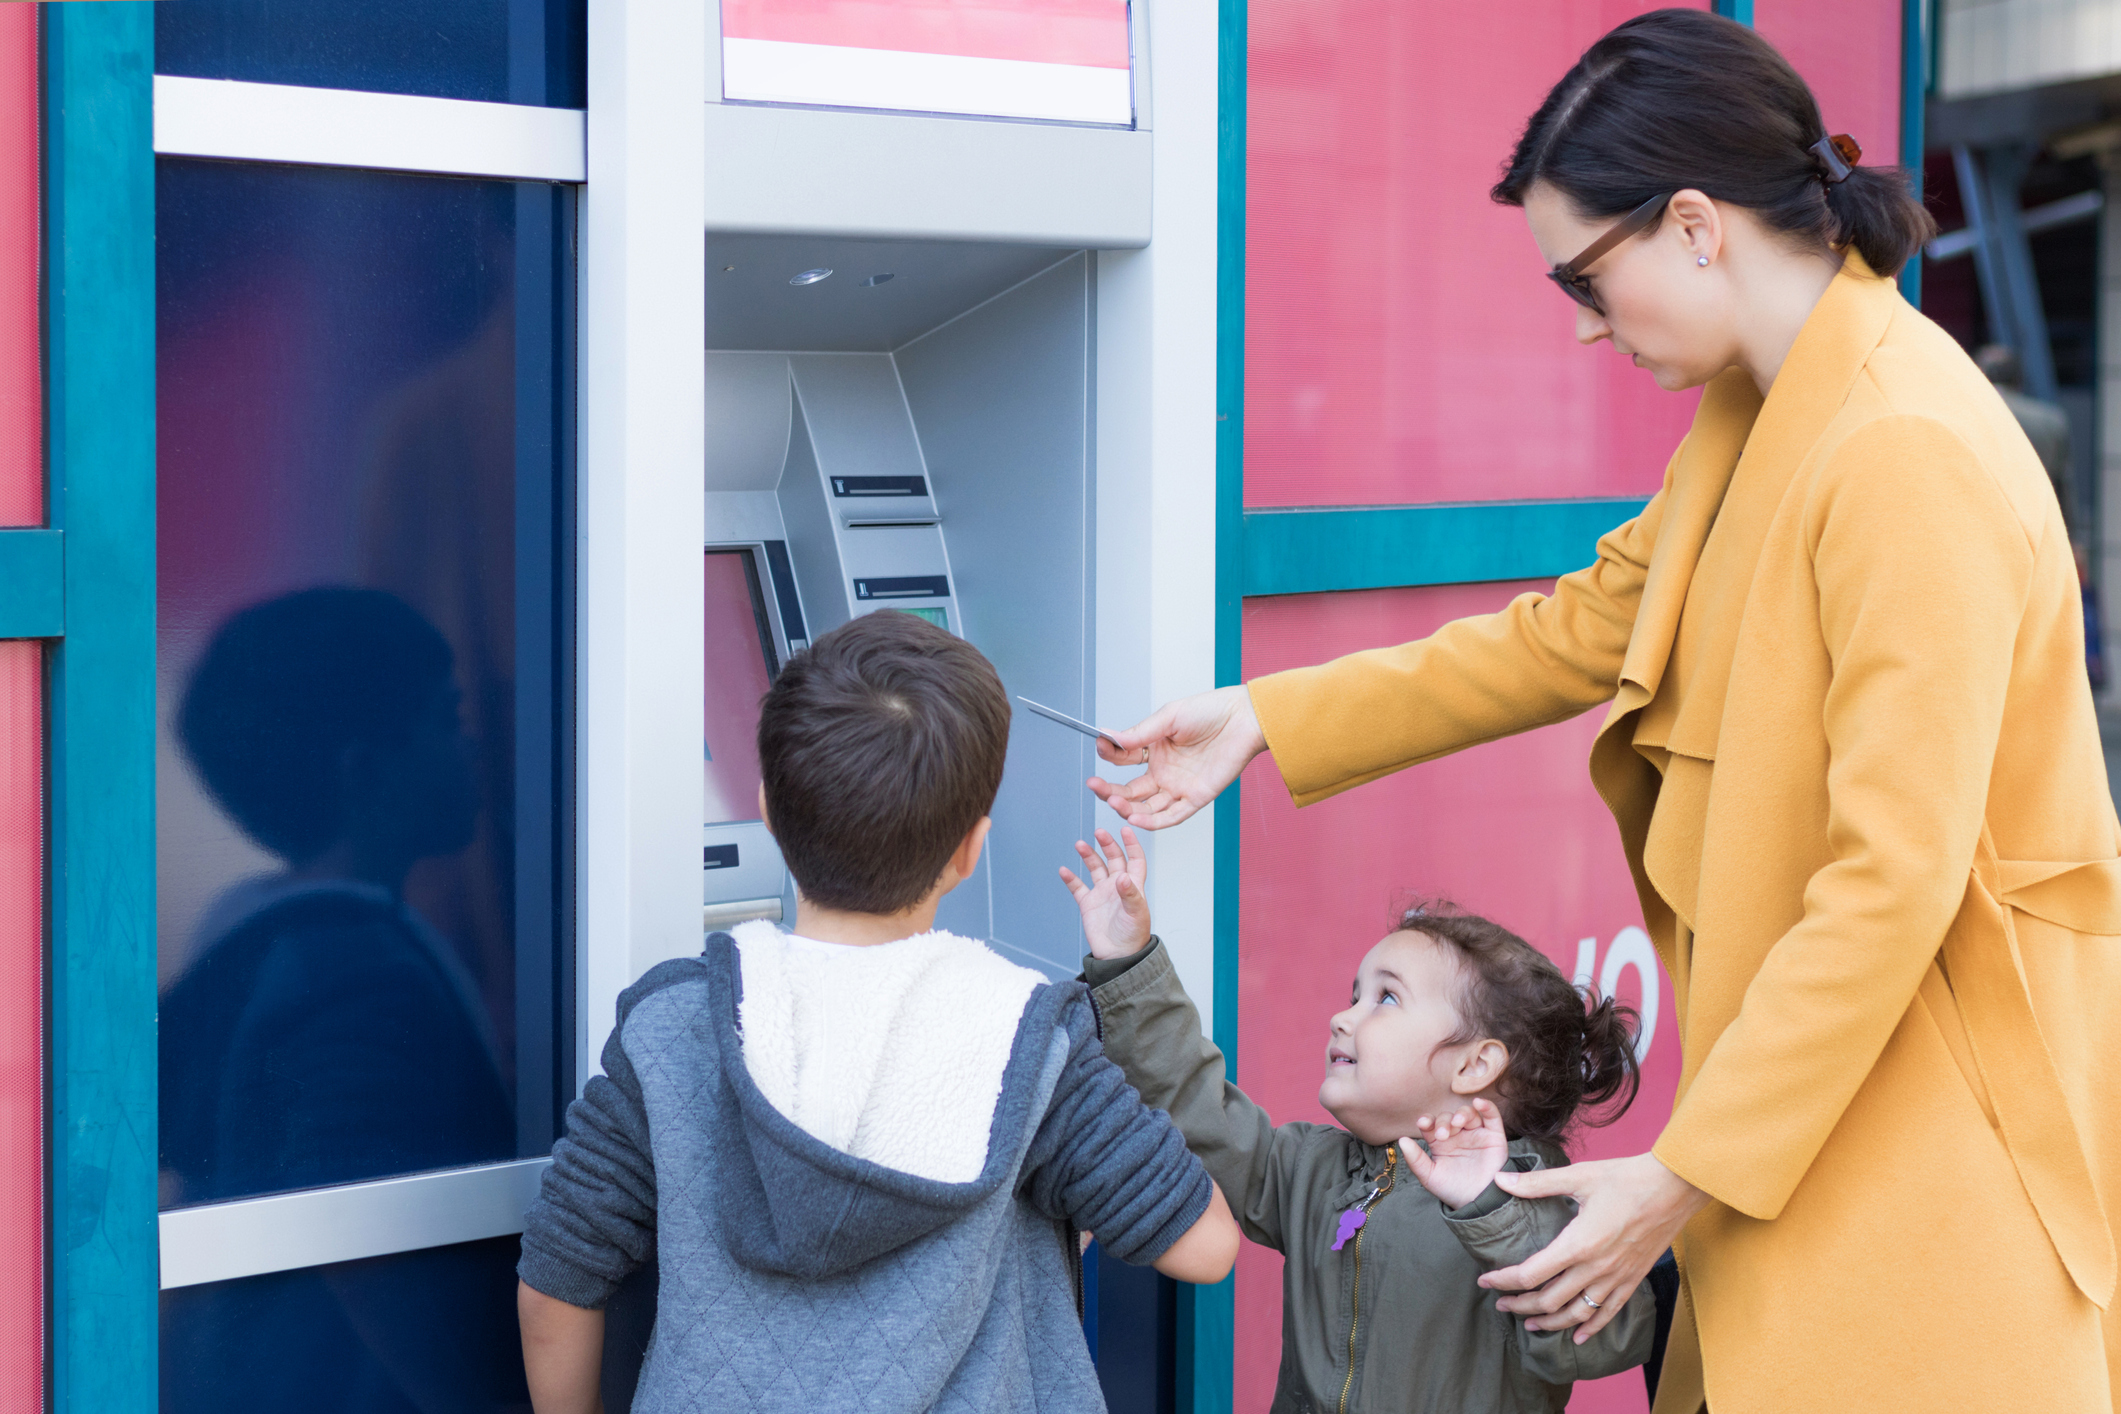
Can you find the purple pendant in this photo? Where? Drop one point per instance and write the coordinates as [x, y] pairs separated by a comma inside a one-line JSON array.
[[1350, 1223]]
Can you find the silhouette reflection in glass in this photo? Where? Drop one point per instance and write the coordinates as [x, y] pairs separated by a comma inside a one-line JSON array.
[[324, 1032]]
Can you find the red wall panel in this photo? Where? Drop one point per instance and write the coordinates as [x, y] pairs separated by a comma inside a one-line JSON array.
[[1400, 343], [1849, 52], [1512, 830], [21, 387], [21, 741]]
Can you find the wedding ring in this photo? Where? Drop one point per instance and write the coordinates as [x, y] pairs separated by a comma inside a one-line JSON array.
[[1590, 1303], [1145, 756]]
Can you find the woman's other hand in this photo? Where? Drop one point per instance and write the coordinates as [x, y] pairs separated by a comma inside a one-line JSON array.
[[1115, 910], [1466, 1150], [1627, 1213], [1194, 747]]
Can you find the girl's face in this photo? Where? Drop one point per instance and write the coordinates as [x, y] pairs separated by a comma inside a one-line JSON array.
[[1673, 316], [1386, 1061]]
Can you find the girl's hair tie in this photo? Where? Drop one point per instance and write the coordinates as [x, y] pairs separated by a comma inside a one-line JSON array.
[[1838, 155]]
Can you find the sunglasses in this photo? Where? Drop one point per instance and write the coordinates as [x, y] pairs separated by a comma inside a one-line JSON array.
[[1577, 285]]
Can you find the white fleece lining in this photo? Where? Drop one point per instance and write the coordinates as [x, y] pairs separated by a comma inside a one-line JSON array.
[[891, 1053]]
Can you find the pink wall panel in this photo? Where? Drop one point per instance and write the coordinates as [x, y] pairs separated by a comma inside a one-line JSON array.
[[1090, 32], [1512, 830], [21, 741], [1400, 343], [21, 396], [21, 1025], [1849, 52]]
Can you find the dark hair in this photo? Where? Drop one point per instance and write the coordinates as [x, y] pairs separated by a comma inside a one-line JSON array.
[[1564, 1057], [1684, 98], [881, 746], [286, 686]]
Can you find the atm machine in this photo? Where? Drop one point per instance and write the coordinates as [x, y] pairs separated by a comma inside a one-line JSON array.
[[904, 426], [900, 401]]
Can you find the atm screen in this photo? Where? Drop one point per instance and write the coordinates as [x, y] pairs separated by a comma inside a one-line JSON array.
[[740, 665]]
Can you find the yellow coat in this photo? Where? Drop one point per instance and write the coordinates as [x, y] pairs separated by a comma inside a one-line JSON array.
[[1853, 757]]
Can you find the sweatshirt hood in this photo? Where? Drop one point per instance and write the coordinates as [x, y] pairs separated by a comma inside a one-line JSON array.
[[786, 1202]]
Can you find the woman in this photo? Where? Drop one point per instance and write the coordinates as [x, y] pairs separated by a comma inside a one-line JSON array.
[[1853, 757]]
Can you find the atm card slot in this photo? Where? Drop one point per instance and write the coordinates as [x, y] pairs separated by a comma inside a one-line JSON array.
[[902, 521], [918, 586], [879, 485]]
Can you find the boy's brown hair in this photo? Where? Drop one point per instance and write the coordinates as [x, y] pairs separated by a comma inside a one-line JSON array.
[[881, 746]]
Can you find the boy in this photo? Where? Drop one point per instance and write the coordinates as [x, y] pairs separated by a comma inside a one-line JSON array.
[[860, 1154]]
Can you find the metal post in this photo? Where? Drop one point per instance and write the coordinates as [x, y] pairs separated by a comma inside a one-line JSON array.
[[1973, 195], [2020, 284]]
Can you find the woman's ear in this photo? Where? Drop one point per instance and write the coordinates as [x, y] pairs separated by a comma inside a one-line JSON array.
[[1480, 1067], [764, 818], [1698, 224]]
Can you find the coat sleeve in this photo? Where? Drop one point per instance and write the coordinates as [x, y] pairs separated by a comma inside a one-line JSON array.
[[1500, 1231], [1152, 1030], [1542, 659], [1923, 571]]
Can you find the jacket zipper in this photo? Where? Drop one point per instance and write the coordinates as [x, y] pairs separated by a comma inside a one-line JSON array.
[[1384, 1186]]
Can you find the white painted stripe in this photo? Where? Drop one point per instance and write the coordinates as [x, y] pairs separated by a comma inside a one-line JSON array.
[[774, 71], [265, 122], [223, 1241]]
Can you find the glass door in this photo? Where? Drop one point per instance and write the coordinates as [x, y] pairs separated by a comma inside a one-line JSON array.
[[364, 846]]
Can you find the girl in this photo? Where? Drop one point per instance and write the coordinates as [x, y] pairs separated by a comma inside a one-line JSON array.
[[1459, 1032]]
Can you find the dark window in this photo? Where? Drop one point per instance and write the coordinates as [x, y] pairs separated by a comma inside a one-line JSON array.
[[495, 51], [432, 1330], [365, 425]]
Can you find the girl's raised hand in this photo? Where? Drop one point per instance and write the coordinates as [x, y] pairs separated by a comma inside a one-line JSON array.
[[1466, 1151], [1115, 910]]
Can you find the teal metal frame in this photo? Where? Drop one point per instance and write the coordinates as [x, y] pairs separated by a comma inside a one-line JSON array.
[[1739, 10], [32, 587], [99, 272], [1314, 550], [1916, 17]]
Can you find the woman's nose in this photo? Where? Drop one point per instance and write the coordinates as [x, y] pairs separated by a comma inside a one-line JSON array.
[[1591, 326]]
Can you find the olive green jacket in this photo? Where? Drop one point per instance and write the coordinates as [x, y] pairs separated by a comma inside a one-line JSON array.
[[1398, 1306]]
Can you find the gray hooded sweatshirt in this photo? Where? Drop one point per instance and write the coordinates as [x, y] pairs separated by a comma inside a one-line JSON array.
[[795, 1276]]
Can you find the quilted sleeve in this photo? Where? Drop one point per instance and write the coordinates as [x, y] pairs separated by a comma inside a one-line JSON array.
[[594, 1219], [1108, 1163]]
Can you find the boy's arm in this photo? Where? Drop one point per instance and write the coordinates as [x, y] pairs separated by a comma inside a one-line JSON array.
[[593, 1221], [563, 1350], [1500, 1231], [1112, 1166], [1152, 1031]]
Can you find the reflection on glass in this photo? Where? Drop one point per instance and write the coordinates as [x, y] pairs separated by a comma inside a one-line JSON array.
[[491, 51], [324, 1030], [739, 670], [357, 777], [429, 1332]]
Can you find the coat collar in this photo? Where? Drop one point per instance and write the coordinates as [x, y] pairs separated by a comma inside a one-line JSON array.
[[1738, 435]]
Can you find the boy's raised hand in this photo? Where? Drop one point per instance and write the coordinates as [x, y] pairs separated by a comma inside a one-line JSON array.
[[1466, 1151], [1115, 910]]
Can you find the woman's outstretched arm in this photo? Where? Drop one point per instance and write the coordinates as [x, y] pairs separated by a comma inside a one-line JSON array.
[[1544, 658]]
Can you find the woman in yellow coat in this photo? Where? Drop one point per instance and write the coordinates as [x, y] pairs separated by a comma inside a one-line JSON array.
[[1852, 753]]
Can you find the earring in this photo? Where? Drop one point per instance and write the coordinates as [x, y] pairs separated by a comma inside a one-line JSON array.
[[1701, 260]]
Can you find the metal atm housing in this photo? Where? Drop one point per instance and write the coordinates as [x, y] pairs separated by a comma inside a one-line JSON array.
[[915, 431]]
